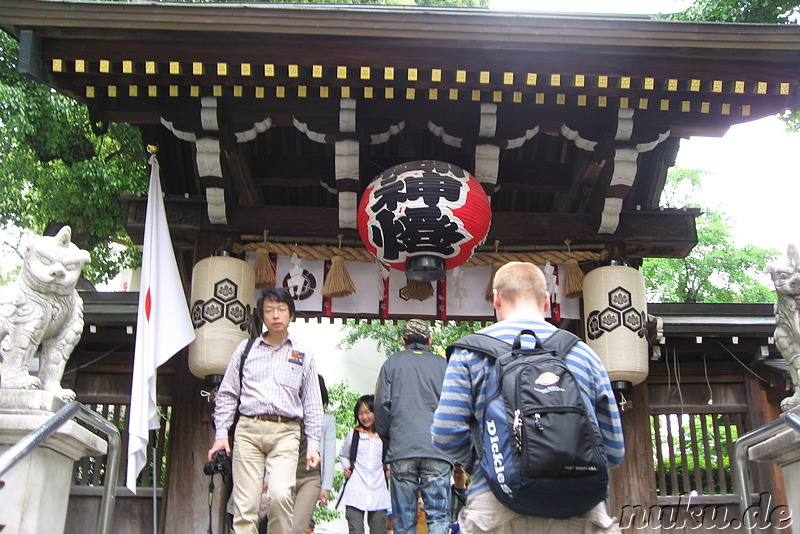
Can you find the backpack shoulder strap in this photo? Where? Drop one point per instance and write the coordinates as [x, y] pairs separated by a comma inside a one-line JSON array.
[[352, 456], [483, 343], [354, 448], [561, 341]]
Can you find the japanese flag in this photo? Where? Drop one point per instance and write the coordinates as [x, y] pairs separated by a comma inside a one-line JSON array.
[[163, 326]]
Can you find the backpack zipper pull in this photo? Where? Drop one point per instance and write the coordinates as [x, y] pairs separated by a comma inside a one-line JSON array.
[[537, 421], [517, 428]]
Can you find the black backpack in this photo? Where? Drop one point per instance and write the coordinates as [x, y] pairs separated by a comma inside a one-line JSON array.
[[540, 447]]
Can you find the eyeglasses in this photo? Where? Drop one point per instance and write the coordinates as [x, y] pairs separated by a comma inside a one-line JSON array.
[[279, 309]]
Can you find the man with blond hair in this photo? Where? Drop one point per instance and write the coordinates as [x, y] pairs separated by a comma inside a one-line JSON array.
[[520, 300]]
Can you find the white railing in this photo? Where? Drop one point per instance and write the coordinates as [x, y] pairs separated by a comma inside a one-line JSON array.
[[78, 411], [741, 473]]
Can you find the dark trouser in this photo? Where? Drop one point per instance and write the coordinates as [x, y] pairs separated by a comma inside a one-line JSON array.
[[355, 521]]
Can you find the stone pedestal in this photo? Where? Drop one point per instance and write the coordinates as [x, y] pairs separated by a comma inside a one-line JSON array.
[[36, 490], [783, 449]]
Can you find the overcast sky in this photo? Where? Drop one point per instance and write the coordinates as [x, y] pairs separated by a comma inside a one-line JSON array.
[[753, 176]]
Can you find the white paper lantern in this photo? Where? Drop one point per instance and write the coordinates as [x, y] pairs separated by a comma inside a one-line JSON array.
[[615, 313], [222, 313]]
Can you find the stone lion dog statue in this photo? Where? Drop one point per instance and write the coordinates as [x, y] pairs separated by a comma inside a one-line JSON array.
[[785, 274], [42, 307]]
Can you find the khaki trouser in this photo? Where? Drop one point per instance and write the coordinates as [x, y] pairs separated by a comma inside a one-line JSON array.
[[307, 490], [484, 513], [259, 446], [305, 500]]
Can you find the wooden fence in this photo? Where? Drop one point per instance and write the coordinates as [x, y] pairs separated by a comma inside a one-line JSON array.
[[133, 514], [696, 415]]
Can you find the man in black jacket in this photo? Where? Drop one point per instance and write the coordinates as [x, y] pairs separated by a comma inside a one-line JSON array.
[[408, 391]]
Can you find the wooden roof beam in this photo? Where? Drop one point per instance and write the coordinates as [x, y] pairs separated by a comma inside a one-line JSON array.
[[667, 233]]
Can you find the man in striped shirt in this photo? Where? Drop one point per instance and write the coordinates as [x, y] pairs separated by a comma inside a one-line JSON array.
[[520, 301], [278, 389]]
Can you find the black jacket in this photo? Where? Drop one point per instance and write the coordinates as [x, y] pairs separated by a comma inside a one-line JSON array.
[[408, 391]]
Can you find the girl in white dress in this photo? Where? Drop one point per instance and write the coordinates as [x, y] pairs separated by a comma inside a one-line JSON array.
[[365, 489]]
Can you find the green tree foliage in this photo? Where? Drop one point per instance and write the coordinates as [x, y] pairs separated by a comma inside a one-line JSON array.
[[342, 401], [388, 335], [59, 168], [745, 11], [11, 254], [715, 270]]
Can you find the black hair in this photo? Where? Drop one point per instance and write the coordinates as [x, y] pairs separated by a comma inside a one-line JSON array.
[[275, 294], [323, 390], [369, 401], [415, 337]]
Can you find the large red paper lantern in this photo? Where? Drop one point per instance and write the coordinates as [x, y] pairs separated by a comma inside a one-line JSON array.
[[424, 217]]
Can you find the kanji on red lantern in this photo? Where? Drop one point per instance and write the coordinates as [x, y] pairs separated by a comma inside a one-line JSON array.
[[424, 208]]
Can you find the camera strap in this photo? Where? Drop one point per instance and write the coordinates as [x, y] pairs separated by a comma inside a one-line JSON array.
[[210, 501]]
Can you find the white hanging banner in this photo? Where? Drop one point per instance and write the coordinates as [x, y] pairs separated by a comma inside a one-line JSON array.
[[250, 258], [466, 289], [550, 277], [399, 304], [303, 279], [369, 290], [569, 308]]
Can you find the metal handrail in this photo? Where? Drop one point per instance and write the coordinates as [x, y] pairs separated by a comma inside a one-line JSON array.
[[78, 411], [741, 474]]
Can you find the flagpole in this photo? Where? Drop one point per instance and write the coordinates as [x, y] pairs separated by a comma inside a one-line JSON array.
[[156, 475]]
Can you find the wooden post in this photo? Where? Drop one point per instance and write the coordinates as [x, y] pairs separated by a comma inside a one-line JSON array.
[[764, 400], [185, 507], [633, 483]]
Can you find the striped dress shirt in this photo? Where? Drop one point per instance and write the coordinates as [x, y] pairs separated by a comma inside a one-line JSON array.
[[277, 381], [464, 396]]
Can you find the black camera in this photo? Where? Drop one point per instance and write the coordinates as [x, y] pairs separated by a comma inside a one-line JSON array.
[[220, 463]]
